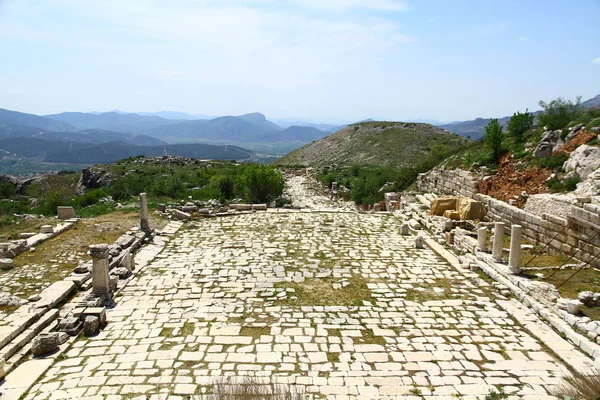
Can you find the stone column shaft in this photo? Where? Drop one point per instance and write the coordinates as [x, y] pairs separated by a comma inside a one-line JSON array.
[[482, 239], [144, 224], [498, 241], [514, 258], [100, 277]]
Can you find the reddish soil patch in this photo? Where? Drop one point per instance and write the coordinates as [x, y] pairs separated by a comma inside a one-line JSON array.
[[510, 181], [582, 137]]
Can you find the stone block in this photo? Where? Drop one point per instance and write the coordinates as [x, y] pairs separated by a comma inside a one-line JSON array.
[[259, 207], [6, 264], [125, 241], [65, 212], [2, 371], [573, 307], [91, 326], [162, 207], [44, 343], [242, 207], [46, 229], [99, 312], [182, 215]]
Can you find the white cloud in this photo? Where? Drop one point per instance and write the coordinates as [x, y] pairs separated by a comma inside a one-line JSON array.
[[522, 38], [345, 5], [596, 60]]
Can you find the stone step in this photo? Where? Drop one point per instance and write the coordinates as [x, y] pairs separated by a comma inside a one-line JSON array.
[[26, 336], [17, 359], [18, 321]]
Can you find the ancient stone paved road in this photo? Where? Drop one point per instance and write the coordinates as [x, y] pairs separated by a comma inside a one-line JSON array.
[[338, 304]]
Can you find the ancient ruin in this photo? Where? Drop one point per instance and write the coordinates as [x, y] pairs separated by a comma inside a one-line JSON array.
[[323, 299]]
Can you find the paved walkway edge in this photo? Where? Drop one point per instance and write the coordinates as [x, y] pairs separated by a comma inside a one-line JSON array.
[[563, 349]]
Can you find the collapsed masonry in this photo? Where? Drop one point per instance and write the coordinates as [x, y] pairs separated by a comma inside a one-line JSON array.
[[40, 327], [575, 234]]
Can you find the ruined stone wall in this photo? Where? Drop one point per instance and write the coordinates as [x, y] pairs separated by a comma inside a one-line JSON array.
[[576, 235], [448, 182]]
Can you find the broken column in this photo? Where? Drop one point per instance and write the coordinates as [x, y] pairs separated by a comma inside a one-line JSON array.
[[514, 258], [482, 239], [144, 224], [100, 277], [498, 241], [419, 242], [405, 230]]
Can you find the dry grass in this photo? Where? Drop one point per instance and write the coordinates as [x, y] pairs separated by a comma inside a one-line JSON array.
[[73, 242], [320, 291], [580, 387], [250, 388]]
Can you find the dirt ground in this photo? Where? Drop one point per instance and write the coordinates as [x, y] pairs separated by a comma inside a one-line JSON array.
[[511, 180], [55, 258]]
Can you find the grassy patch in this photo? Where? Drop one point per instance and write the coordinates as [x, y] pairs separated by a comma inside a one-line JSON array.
[[370, 338], [255, 332], [166, 332], [315, 292], [188, 328]]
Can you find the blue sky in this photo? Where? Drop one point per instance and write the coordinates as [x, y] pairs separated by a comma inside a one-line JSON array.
[[327, 60]]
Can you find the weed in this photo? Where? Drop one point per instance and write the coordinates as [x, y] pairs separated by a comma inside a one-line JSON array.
[[580, 387]]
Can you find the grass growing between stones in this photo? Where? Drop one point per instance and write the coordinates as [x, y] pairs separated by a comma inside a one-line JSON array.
[[252, 388], [320, 292], [255, 332]]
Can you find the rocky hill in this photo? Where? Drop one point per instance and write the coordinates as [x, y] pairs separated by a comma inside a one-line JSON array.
[[398, 144]]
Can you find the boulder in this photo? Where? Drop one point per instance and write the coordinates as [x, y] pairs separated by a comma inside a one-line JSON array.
[[93, 178], [583, 161], [551, 140], [91, 326], [44, 343]]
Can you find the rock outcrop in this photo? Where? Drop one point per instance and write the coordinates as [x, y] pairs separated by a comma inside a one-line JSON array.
[[93, 178], [583, 161]]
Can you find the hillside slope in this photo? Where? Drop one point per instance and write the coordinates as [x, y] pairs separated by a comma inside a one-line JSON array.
[[8, 117], [396, 144]]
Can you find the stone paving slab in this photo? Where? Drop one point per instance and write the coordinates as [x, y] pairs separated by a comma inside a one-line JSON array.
[[338, 304]]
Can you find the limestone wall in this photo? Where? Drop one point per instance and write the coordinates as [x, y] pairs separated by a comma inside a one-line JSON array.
[[564, 235], [448, 182]]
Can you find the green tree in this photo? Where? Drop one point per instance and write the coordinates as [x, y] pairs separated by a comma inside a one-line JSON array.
[[264, 183], [494, 138], [559, 112], [519, 124]]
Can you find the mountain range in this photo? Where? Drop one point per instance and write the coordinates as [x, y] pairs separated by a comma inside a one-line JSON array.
[[475, 129]]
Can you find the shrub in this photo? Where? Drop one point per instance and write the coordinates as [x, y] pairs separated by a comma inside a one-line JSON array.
[[89, 198], [559, 112], [263, 183], [226, 187], [7, 190], [494, 138], [519, 124], [594, 122], [554, 162]]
